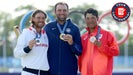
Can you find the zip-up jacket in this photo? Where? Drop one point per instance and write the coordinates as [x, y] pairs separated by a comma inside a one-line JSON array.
[[98, 60], [36, 58], [62, 56]]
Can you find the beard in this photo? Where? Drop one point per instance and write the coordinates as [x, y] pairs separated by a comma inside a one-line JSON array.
[[61, 18], [39, 25]]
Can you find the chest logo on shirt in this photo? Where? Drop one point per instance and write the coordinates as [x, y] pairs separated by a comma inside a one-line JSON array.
[[53, 28], [42, 45], [68, 30], [85, 38]]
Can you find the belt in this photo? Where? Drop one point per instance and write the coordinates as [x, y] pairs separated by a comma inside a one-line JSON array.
[[34, 71]]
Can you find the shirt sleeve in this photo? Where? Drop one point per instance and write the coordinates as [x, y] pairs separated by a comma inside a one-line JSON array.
[[111, 48], [21, 44], [76, 47]]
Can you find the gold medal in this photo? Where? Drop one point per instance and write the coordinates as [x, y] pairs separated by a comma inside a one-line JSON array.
[[62, 36]]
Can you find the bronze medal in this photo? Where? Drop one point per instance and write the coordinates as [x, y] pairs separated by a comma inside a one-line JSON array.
[[92, 39]]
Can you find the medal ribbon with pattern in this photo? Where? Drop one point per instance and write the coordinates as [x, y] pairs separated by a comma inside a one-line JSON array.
[[37, 37], [62, 30], [98, 33]]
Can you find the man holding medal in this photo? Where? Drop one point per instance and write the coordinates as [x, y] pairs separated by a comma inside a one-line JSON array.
[[99, 47], [32, 46], [64, 43]]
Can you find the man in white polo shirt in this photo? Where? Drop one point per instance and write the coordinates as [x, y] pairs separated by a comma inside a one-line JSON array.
[[32, 46]]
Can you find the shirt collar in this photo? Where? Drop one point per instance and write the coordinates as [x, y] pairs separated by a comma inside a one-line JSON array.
[[95, 30], [34, 30]]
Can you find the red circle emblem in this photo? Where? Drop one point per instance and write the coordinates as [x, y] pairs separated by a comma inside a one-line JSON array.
[[120, 12]]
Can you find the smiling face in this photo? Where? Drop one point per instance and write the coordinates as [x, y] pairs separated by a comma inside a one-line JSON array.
[[39, 20], [91, 20], [61, 12]]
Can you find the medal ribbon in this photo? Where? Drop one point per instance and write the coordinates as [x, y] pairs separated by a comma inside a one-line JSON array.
[[62, 30], [38, 36], [98, 33]]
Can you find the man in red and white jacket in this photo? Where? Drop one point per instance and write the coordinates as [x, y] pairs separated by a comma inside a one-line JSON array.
[[99, 47], [32, 46]]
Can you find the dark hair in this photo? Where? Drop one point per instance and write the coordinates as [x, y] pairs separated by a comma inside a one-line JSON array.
[[38, 11], [61, 3], [91, 11]]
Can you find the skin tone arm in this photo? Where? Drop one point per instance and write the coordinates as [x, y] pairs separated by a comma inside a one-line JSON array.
[[32, 43]]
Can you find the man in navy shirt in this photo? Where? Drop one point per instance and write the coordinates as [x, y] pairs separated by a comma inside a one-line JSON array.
[[64, 43]]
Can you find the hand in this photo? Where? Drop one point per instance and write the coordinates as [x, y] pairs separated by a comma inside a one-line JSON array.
[[68, 38], [98, 43], [32, 43]]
